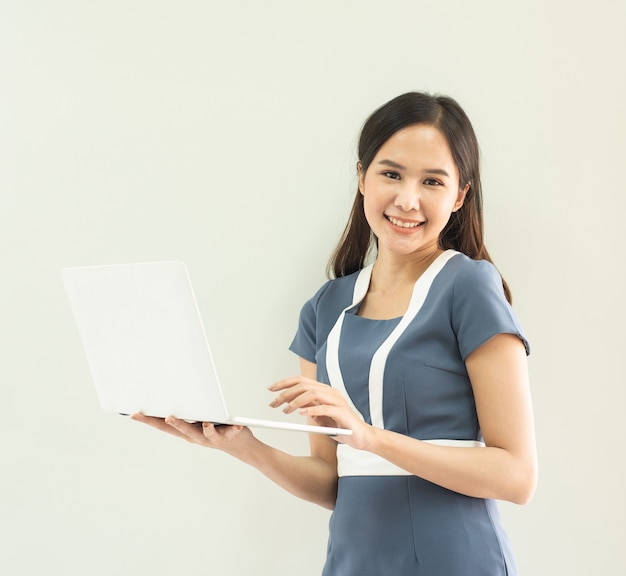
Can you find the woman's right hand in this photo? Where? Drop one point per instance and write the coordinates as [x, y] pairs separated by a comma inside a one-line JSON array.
[[231, 439]]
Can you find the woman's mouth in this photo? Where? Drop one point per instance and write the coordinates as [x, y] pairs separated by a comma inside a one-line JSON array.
[[403, 223]]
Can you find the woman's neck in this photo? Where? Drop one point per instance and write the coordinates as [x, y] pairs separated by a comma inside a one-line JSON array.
[[392, 283], [392, 271]]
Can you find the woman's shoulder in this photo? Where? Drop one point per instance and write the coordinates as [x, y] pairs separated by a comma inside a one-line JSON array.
[[478, 305], [336, 290], [464, 269], [467, 282], [320, 312], [464, 263]]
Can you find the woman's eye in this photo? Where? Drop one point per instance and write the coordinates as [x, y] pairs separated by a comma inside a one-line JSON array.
[[392, 175], [432, 182]]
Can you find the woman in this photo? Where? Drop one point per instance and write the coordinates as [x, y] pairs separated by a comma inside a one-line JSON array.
[[426, 363]]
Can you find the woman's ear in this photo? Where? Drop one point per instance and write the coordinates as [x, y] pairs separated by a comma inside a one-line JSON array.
[[461, 197], [359, 168]]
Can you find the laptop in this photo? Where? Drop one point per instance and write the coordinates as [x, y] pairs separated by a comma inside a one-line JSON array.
[[146, 346]]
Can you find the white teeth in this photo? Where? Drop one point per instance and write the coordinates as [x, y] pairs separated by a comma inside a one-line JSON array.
[[403, 224]]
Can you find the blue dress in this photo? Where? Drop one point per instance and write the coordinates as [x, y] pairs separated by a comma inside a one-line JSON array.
[[408, 375]]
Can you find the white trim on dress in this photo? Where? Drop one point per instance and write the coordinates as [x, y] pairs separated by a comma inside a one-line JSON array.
[[352, 462]]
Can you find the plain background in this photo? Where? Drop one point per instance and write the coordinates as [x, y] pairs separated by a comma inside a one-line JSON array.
[[223, 134]]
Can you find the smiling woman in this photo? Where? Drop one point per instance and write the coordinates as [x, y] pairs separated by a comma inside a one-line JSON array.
[[408, 206], [464, 230], [419, 354]]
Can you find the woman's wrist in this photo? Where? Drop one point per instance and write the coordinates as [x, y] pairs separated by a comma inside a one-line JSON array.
[[249, 453]]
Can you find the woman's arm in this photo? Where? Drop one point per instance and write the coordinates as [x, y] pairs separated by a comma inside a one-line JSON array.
[[505, 469], [312, 478]]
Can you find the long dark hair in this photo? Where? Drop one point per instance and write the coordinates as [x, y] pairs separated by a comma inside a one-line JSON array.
[[464, 230]]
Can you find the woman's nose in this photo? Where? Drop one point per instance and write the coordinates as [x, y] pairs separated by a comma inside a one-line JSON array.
[[408, 197]]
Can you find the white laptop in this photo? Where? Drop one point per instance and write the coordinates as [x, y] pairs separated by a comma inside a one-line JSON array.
[[146, 346]]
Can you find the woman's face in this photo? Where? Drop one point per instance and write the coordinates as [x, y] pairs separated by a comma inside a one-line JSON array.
[[410, 190]]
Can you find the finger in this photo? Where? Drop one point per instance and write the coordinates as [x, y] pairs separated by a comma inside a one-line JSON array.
[[286, 396], [339, 415], [313, 397], [215, 434], [212, 431], [150, 420], [232, 431], [306, 398], [158, 423], [183, 425], [191, 431], [322, 410], [288, 383], [296, 390]]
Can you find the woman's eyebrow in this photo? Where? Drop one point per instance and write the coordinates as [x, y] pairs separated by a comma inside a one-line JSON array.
[[439, 171], [391, 164]]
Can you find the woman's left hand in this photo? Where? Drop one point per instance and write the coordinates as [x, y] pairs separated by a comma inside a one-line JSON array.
[[324, 405]]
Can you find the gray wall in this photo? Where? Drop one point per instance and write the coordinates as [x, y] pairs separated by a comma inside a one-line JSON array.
[[223, 134]]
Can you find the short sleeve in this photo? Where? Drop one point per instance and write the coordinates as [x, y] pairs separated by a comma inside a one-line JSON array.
[[480, 308], [304, 343]]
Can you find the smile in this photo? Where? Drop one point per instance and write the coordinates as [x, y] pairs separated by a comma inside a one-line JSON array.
[[402, 224]]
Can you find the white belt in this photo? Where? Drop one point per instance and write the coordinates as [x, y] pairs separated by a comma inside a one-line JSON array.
[[353, 462]]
